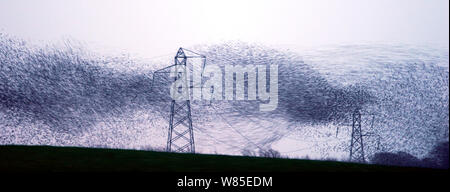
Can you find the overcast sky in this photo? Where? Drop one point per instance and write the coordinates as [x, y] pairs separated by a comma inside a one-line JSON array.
[[152, 28]]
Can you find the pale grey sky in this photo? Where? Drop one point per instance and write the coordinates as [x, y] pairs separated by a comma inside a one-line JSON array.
[[152, 28]]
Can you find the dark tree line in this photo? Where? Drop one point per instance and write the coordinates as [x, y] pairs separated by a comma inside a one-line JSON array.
[[436, 158]]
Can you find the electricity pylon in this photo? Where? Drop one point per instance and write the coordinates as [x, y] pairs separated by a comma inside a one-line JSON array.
[[356, 143], [181, 134]]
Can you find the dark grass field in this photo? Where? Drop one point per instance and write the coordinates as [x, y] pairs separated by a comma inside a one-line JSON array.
[[75, 159]]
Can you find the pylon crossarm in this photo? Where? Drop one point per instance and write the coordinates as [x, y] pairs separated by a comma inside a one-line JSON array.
[[194, 57], [197, 55], [161, 70]]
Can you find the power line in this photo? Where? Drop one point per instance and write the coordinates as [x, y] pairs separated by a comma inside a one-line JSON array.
[[206, 133], [229, 125]]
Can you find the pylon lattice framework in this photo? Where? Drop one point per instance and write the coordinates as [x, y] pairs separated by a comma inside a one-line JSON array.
[[181, 134], [356, 143]]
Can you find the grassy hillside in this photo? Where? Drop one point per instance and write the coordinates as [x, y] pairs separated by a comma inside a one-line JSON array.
[[46, 158]]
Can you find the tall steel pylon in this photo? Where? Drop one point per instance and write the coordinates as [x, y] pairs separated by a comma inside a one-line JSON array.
[[356, 143], [181, 134]]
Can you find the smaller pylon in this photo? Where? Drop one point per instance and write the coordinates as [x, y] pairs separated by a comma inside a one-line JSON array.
[[357, 144]]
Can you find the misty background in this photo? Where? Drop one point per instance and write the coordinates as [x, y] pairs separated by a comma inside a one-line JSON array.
[[153, 28]]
